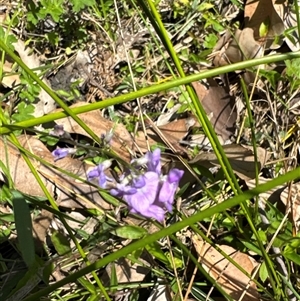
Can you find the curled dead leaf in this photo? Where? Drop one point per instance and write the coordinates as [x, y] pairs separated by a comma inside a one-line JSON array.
[[268, 12], [241, 159], [231, 279]]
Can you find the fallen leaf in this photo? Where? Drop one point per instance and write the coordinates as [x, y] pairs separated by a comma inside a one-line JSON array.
[[9, 80], [229, 277], [232, 49], [290, 197], [123, 143], [40, 226], [243, 46], [241, 159], [126, 271], [70, 192], [219, 106], [263, 12]]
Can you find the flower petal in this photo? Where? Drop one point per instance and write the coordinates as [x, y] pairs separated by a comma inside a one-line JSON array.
[[99, 172], [153, 160], [153, 211], [169, 187], [145, 196], [120, 190], [60, 153]]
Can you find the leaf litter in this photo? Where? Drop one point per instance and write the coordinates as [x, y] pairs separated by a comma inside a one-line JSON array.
[[265, 21]]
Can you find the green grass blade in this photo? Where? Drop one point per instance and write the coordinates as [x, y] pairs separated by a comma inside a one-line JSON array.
[[4, 129], [24, 228]]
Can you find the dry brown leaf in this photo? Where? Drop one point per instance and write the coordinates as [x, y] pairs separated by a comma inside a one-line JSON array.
[[290, 197], [40, 226], [126, 271], [219, 107], [9, 80], [45, 104], [230, 278], [241, 159], [265, 12], [70, 193], [243, 46], [178, 129], [123, 143]]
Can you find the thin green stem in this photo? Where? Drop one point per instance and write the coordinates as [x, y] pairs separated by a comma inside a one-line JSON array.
[[148, 90]]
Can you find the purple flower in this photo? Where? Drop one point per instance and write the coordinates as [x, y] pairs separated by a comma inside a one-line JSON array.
[[169, 187], [143, 201], [99, 172], [153, 159], [60, 153], [120, 190], [146, 192]]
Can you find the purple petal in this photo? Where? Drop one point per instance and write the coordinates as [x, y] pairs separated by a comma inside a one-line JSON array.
[[60, 153], [94, 173], [144, 196], [175, 175], [169, 187], [139, 182], [99, 172], [102, 180], [153, 211], [153, 161], [120, 190]]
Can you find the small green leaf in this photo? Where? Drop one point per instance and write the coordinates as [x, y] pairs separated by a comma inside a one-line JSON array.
[[263, 272], [262, 235], [60, 243], [177, 262], [7, 217], [155, 250], [205, 6], [24, 227], [295, 242], [24, 112], [210, 41], [130, 232], [293, 257], [113, 277], [54, 8], [80, 4], [252, 247], [264, 28], [87, 285]]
